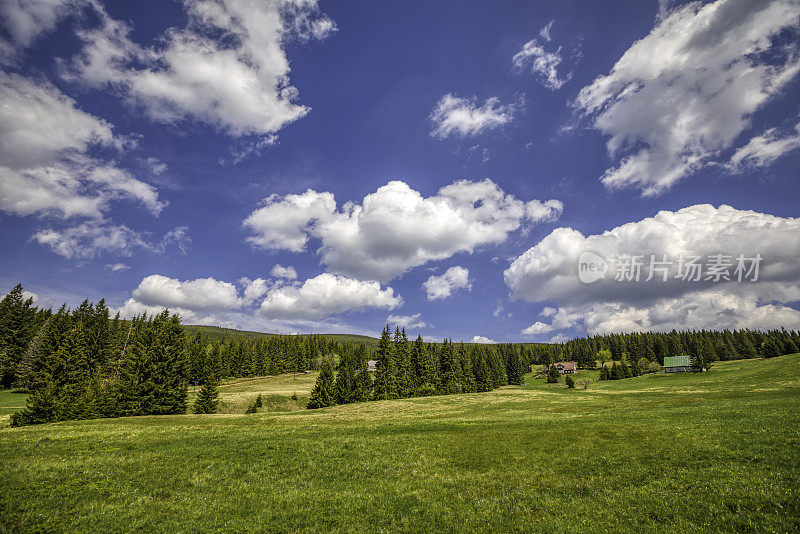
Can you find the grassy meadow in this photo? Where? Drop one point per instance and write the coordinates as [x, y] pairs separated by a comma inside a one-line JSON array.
[[718, 451]]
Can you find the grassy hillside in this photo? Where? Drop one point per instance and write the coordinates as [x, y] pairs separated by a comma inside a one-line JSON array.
[[679, 453]]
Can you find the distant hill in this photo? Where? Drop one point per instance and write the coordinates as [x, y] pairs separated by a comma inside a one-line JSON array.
[[220, 332]]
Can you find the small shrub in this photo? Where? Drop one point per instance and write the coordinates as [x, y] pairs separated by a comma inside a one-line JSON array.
[[570, 382], [294, 396], [259, 401]]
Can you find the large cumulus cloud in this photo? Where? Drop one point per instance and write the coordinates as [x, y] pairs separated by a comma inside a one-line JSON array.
[[395, 228], [684, 93], [548, 272]]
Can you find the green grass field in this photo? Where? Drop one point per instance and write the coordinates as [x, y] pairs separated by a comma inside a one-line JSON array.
[[718, 451]]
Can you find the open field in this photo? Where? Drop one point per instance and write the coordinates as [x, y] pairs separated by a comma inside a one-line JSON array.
[[276, 393], [692, 452]]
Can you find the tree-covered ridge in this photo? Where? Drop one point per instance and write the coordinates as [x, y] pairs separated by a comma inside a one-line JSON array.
[[216, 333], [705, 346], [223, 357]]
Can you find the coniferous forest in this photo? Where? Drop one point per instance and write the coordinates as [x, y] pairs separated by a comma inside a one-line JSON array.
[[81, 363], [412, 369]]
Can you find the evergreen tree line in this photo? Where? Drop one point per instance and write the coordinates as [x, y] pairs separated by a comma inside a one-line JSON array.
[[704, 345], [411, 369], [220, 357], [618, 372], [80, 364]]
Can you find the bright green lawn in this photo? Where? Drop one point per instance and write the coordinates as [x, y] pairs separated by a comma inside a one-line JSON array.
[[718, 451]]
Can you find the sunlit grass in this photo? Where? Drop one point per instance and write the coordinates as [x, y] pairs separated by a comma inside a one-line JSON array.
[[277, 391], [718, 451]]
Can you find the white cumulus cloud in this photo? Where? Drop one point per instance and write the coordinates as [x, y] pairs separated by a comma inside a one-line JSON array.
[[442, 286], [226, 67], [26, 20], [325, 295], [280, 271], [45, 166], [285, 222], [537, 328], [117, 267], [395, 229], [548, 272], [255, 289], [463, 117], [195, 295], [482, 339], [407, 321], [90, 239], [263, 306], [763, 150], [684, 93]]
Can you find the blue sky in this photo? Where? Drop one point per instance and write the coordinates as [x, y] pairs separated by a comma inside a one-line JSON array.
[[437, 165]]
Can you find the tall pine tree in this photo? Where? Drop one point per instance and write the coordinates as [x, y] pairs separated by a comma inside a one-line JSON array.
[[323, 393]]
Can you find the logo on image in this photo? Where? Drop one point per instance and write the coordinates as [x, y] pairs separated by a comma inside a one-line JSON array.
[[591, 267]]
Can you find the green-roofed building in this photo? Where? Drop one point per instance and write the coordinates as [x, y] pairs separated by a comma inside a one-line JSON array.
[[678, 364]]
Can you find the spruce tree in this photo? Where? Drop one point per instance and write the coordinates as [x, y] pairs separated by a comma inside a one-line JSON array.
[[73, 379], [60, 391], [615, 373], [447, 370], [789, 346], [515, 368], [24, 370], [746, 348], [323, 393], [569, 382], [467, 374], [207, 400], [497, 369], [363, 382], [402, 358], [426, 368], [417, 364], [483, 378], [386, 374], [17, 328], [604, 373], [625, 370], [345, 384], [154, 375], [552, 374]]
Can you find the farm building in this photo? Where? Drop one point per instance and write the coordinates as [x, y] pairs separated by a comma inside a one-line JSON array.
[[372, 366], [678, 364], [566, 368]]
